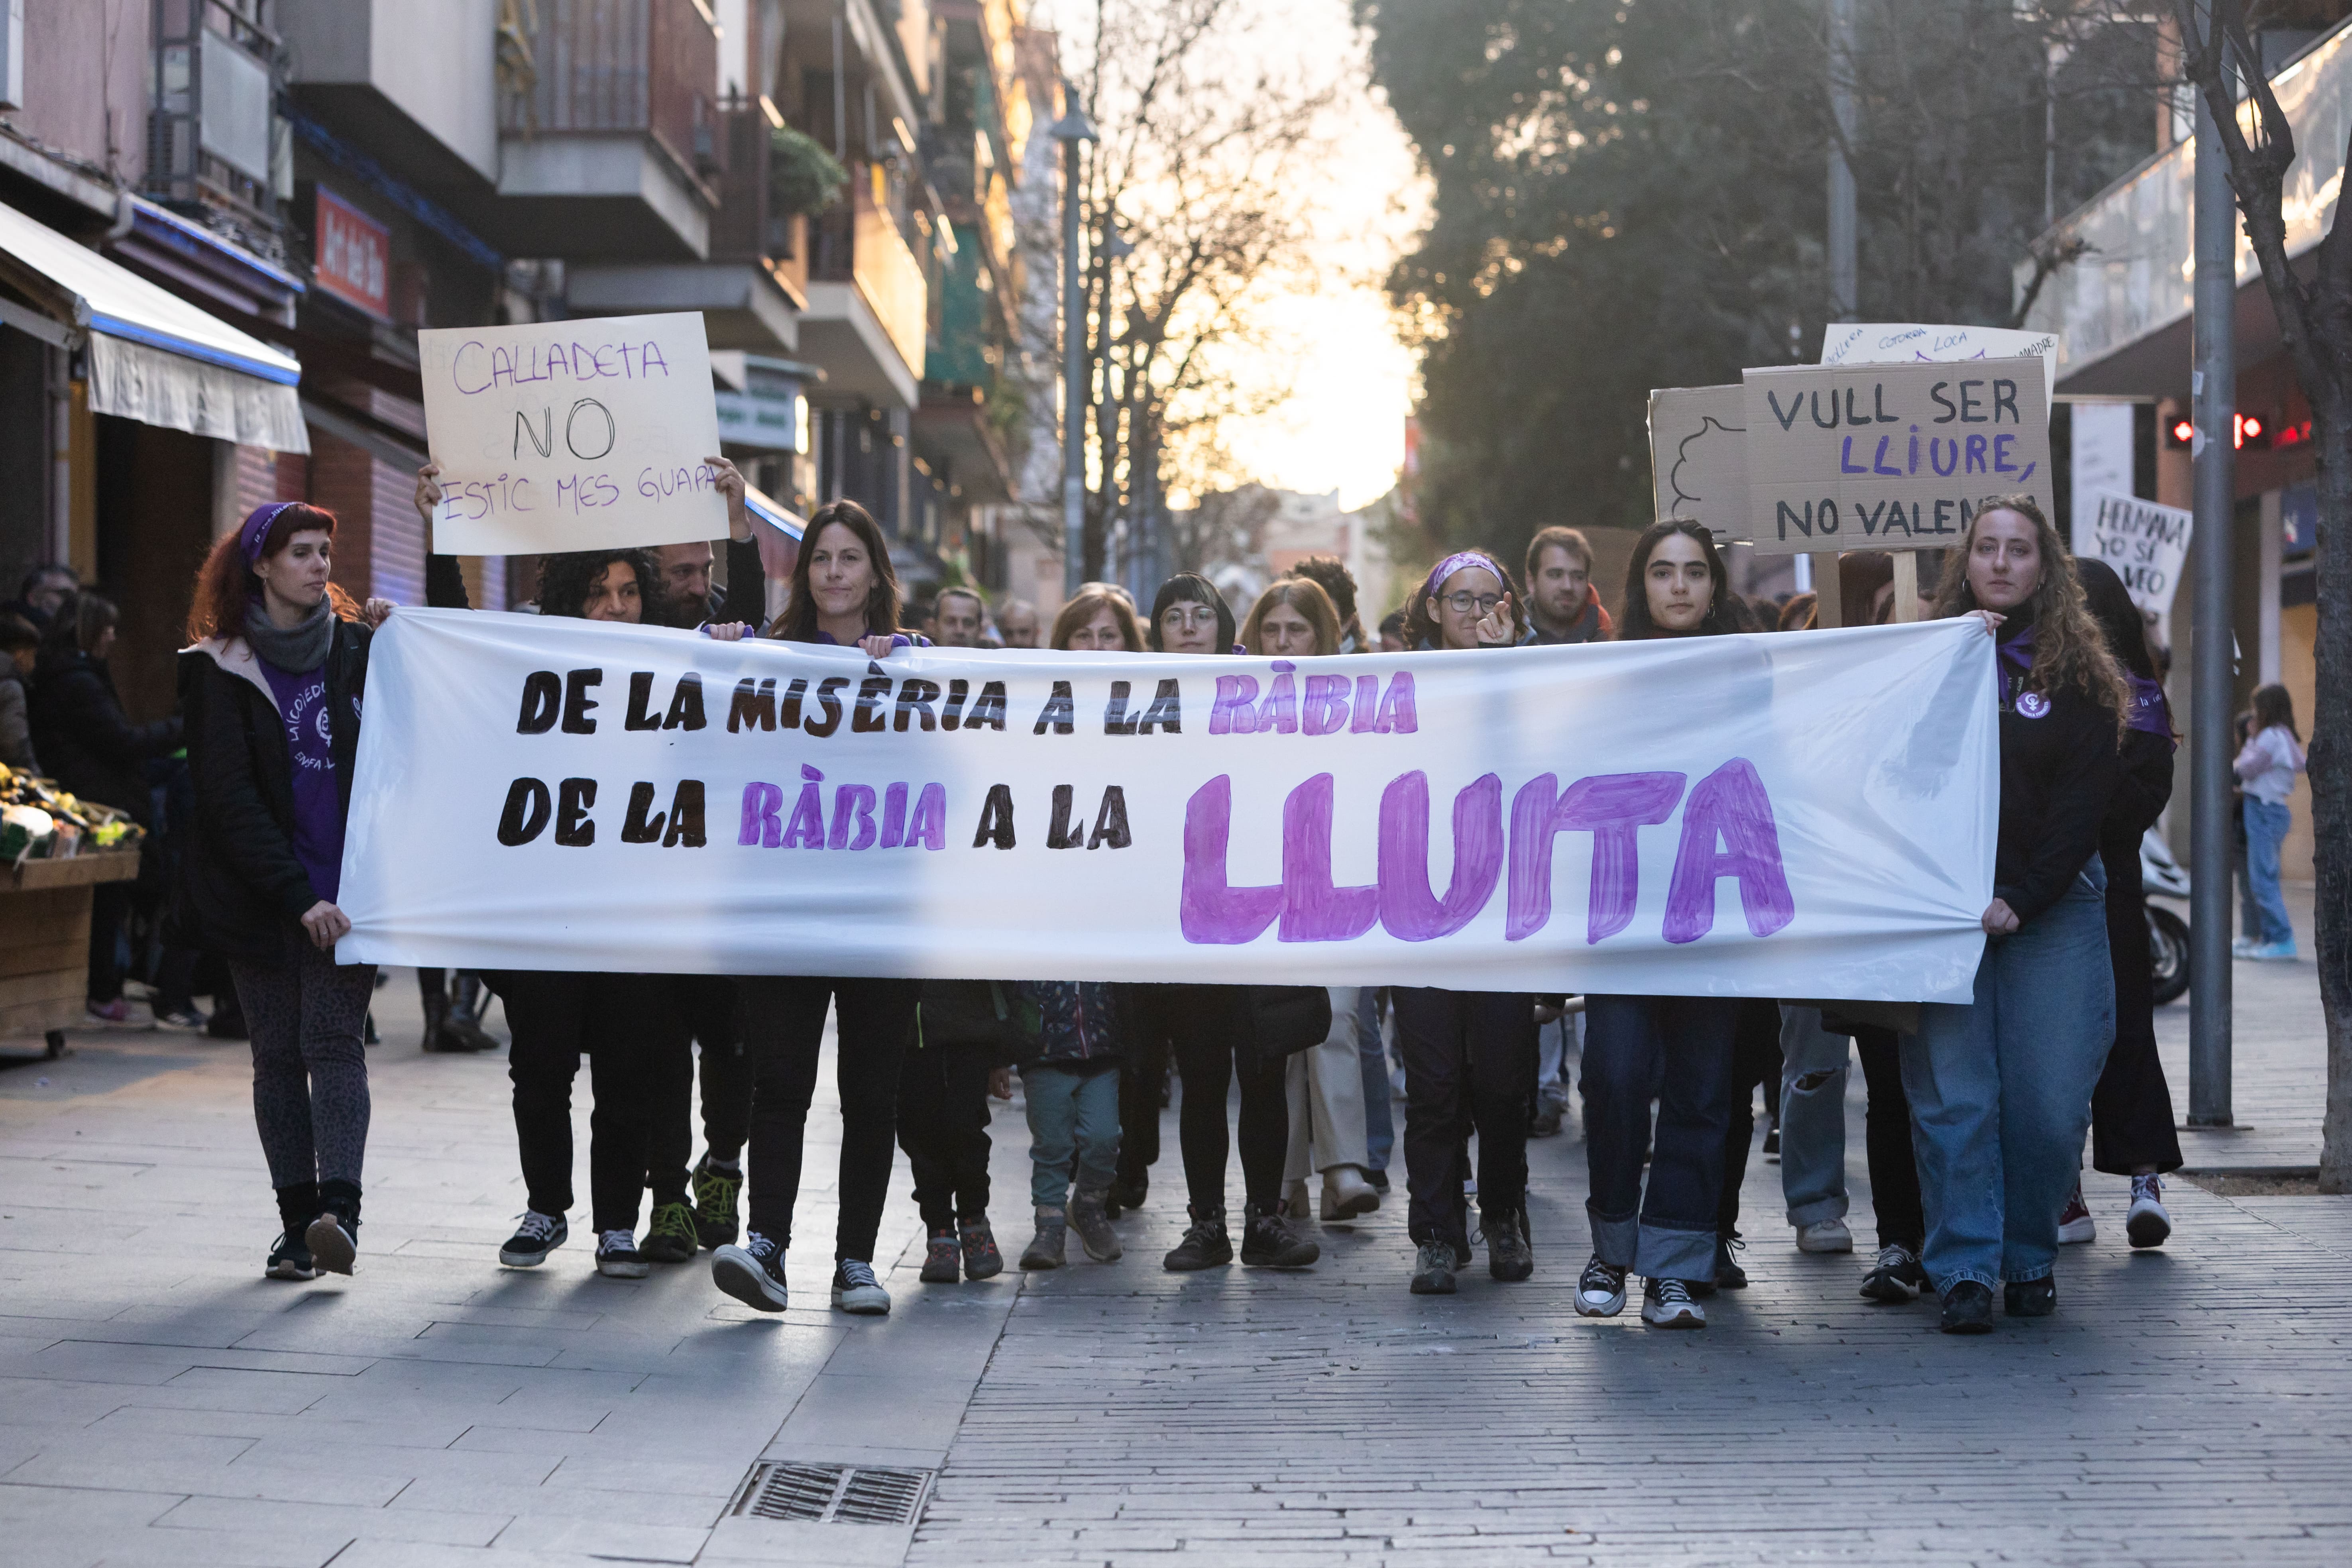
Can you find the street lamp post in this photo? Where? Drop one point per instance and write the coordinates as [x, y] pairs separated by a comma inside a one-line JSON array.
[[1071, 129]]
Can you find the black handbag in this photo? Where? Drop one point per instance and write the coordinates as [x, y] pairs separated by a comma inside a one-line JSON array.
[[979, 1015], [1287, 1019]]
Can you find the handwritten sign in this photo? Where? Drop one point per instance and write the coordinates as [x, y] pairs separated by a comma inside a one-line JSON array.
[[2146, 543], [1698, 456], [572, 435], [1905, 343], [1889, 457]]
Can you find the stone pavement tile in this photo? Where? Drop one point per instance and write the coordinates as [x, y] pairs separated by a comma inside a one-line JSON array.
[[376, 1553], [456, 1491], [608, 1535], [629, 1468], [35, 1513], [298, 1521], [102, 1546], [295, 1446]]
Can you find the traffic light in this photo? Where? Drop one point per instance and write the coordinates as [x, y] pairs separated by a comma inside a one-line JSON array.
[[2180, 433]]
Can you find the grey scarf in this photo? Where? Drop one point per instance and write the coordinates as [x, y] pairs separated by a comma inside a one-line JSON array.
[[297, 651]]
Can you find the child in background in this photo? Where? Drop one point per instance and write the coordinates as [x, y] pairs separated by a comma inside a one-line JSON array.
[[1072, 1088], [2266, 769]]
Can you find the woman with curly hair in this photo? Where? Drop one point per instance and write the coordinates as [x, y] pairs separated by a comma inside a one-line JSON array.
[[271, 690], [2000, 1086]]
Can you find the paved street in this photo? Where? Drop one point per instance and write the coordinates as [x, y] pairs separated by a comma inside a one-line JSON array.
[[159, 1403]]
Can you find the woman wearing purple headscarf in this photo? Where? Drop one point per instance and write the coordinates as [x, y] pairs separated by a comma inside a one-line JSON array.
[[271, 690]]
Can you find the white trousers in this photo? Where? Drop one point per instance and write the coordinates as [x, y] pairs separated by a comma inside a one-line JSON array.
[[1326, 1098]]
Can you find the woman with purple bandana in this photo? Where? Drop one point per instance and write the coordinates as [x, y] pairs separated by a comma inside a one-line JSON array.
[[1469, 1056], [272, 690]]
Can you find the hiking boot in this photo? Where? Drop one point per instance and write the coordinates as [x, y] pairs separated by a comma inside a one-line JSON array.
[[1432, 1269], [1968, 1308], [1093, 1226], [1046, 1249], [1205, 1244], [982, 1260], [715, 1192], [333, 1236], [669, 1237], [2075, 1221], [2030, 1298], [2147, 1224], [1668, 1304], [617, 1256], [1600, 1289], [855, 1290], [1510, 1247], [1729, 1274], [1898, 1279], [940, 1259], [752, 1273], [535, 1236], [1267, 1243]]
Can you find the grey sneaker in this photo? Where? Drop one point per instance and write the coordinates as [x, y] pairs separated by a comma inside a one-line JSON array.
[[855, 1288], [1046, 1250], [1432, 1269], [1093, 1225], [2147, 1223]]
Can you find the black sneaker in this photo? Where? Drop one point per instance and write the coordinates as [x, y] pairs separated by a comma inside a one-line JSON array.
[[1267, 1243], [855, 1290], [1127, 1194], [290, 1259], [1729, 1274], [1600, 1289], [1668, 1304], [943, 1260], [1205, 1244], [535, 1236], [752, 1273], [1898, 1279], [1968, 1308], [715, 1192], [2030, 1298], [1432, 1269], [1510, 1247], [332, 1242], [617, 1256], [670, 1236]]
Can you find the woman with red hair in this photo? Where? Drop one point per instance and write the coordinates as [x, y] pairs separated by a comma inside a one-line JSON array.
[[272, 690]]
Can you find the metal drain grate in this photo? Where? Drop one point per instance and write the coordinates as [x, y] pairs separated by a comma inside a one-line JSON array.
[[833, 1494]]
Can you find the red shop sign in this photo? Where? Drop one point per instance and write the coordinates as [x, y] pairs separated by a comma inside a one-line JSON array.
[[354, 261]]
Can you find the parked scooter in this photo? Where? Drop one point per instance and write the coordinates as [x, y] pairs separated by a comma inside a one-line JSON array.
[[2162, 877]]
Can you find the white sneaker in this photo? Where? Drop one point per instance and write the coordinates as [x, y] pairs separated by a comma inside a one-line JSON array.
[[855, 1289], [1668, 1304], [2244, 947], [1825, 1236], [2146, 1224], [2075, 1221]]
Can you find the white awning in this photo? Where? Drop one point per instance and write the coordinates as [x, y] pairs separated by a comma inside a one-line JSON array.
[[153, 357]]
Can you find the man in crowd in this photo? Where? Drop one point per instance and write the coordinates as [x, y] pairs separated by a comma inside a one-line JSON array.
[[1016, 622], [1562, 604], [45, 587], [957, 615]]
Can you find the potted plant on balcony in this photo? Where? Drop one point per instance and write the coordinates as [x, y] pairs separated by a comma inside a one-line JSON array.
[[802, 177]]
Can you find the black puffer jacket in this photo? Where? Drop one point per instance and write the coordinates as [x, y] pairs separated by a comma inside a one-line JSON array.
[[88, 744], [243, 881]]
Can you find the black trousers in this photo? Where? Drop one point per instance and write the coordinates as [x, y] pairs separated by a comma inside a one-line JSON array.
[[1755, 1059], [1469, 1064], [783, 1025], [943, 1128], [712, 1015], [2131, 1109], [1886, 1124], [1144, 1073], [632, 1038], [1206, 1029]]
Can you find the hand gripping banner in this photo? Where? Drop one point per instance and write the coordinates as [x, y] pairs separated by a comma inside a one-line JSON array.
[[1801, 814]]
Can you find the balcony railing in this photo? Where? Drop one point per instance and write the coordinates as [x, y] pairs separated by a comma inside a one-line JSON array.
[[608, 66], [858, 242]]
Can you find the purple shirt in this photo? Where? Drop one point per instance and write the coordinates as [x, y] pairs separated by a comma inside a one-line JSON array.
[[309, 745]]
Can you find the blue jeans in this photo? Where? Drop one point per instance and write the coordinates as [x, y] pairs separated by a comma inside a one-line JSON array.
[[1380, 1122], [2000, 1092], [1073, 1129], [2264, 917], [1812, 1116], [1669, 1232]]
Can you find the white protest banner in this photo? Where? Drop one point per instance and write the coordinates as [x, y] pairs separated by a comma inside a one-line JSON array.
[[572, 435], [1896, 342], [1889, 457], [1795, 815], [2146, 543], [1698, 456]]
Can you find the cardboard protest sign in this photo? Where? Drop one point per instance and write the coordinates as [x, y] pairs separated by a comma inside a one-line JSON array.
[[572, 435], [1901, 342], [1889, 457], [1698, 456], [2144, 542]]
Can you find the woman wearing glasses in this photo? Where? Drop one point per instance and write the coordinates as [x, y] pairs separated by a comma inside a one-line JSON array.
[[1469, 1056]]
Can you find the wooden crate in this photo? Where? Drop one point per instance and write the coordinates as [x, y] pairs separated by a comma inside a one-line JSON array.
[[44, 938]]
